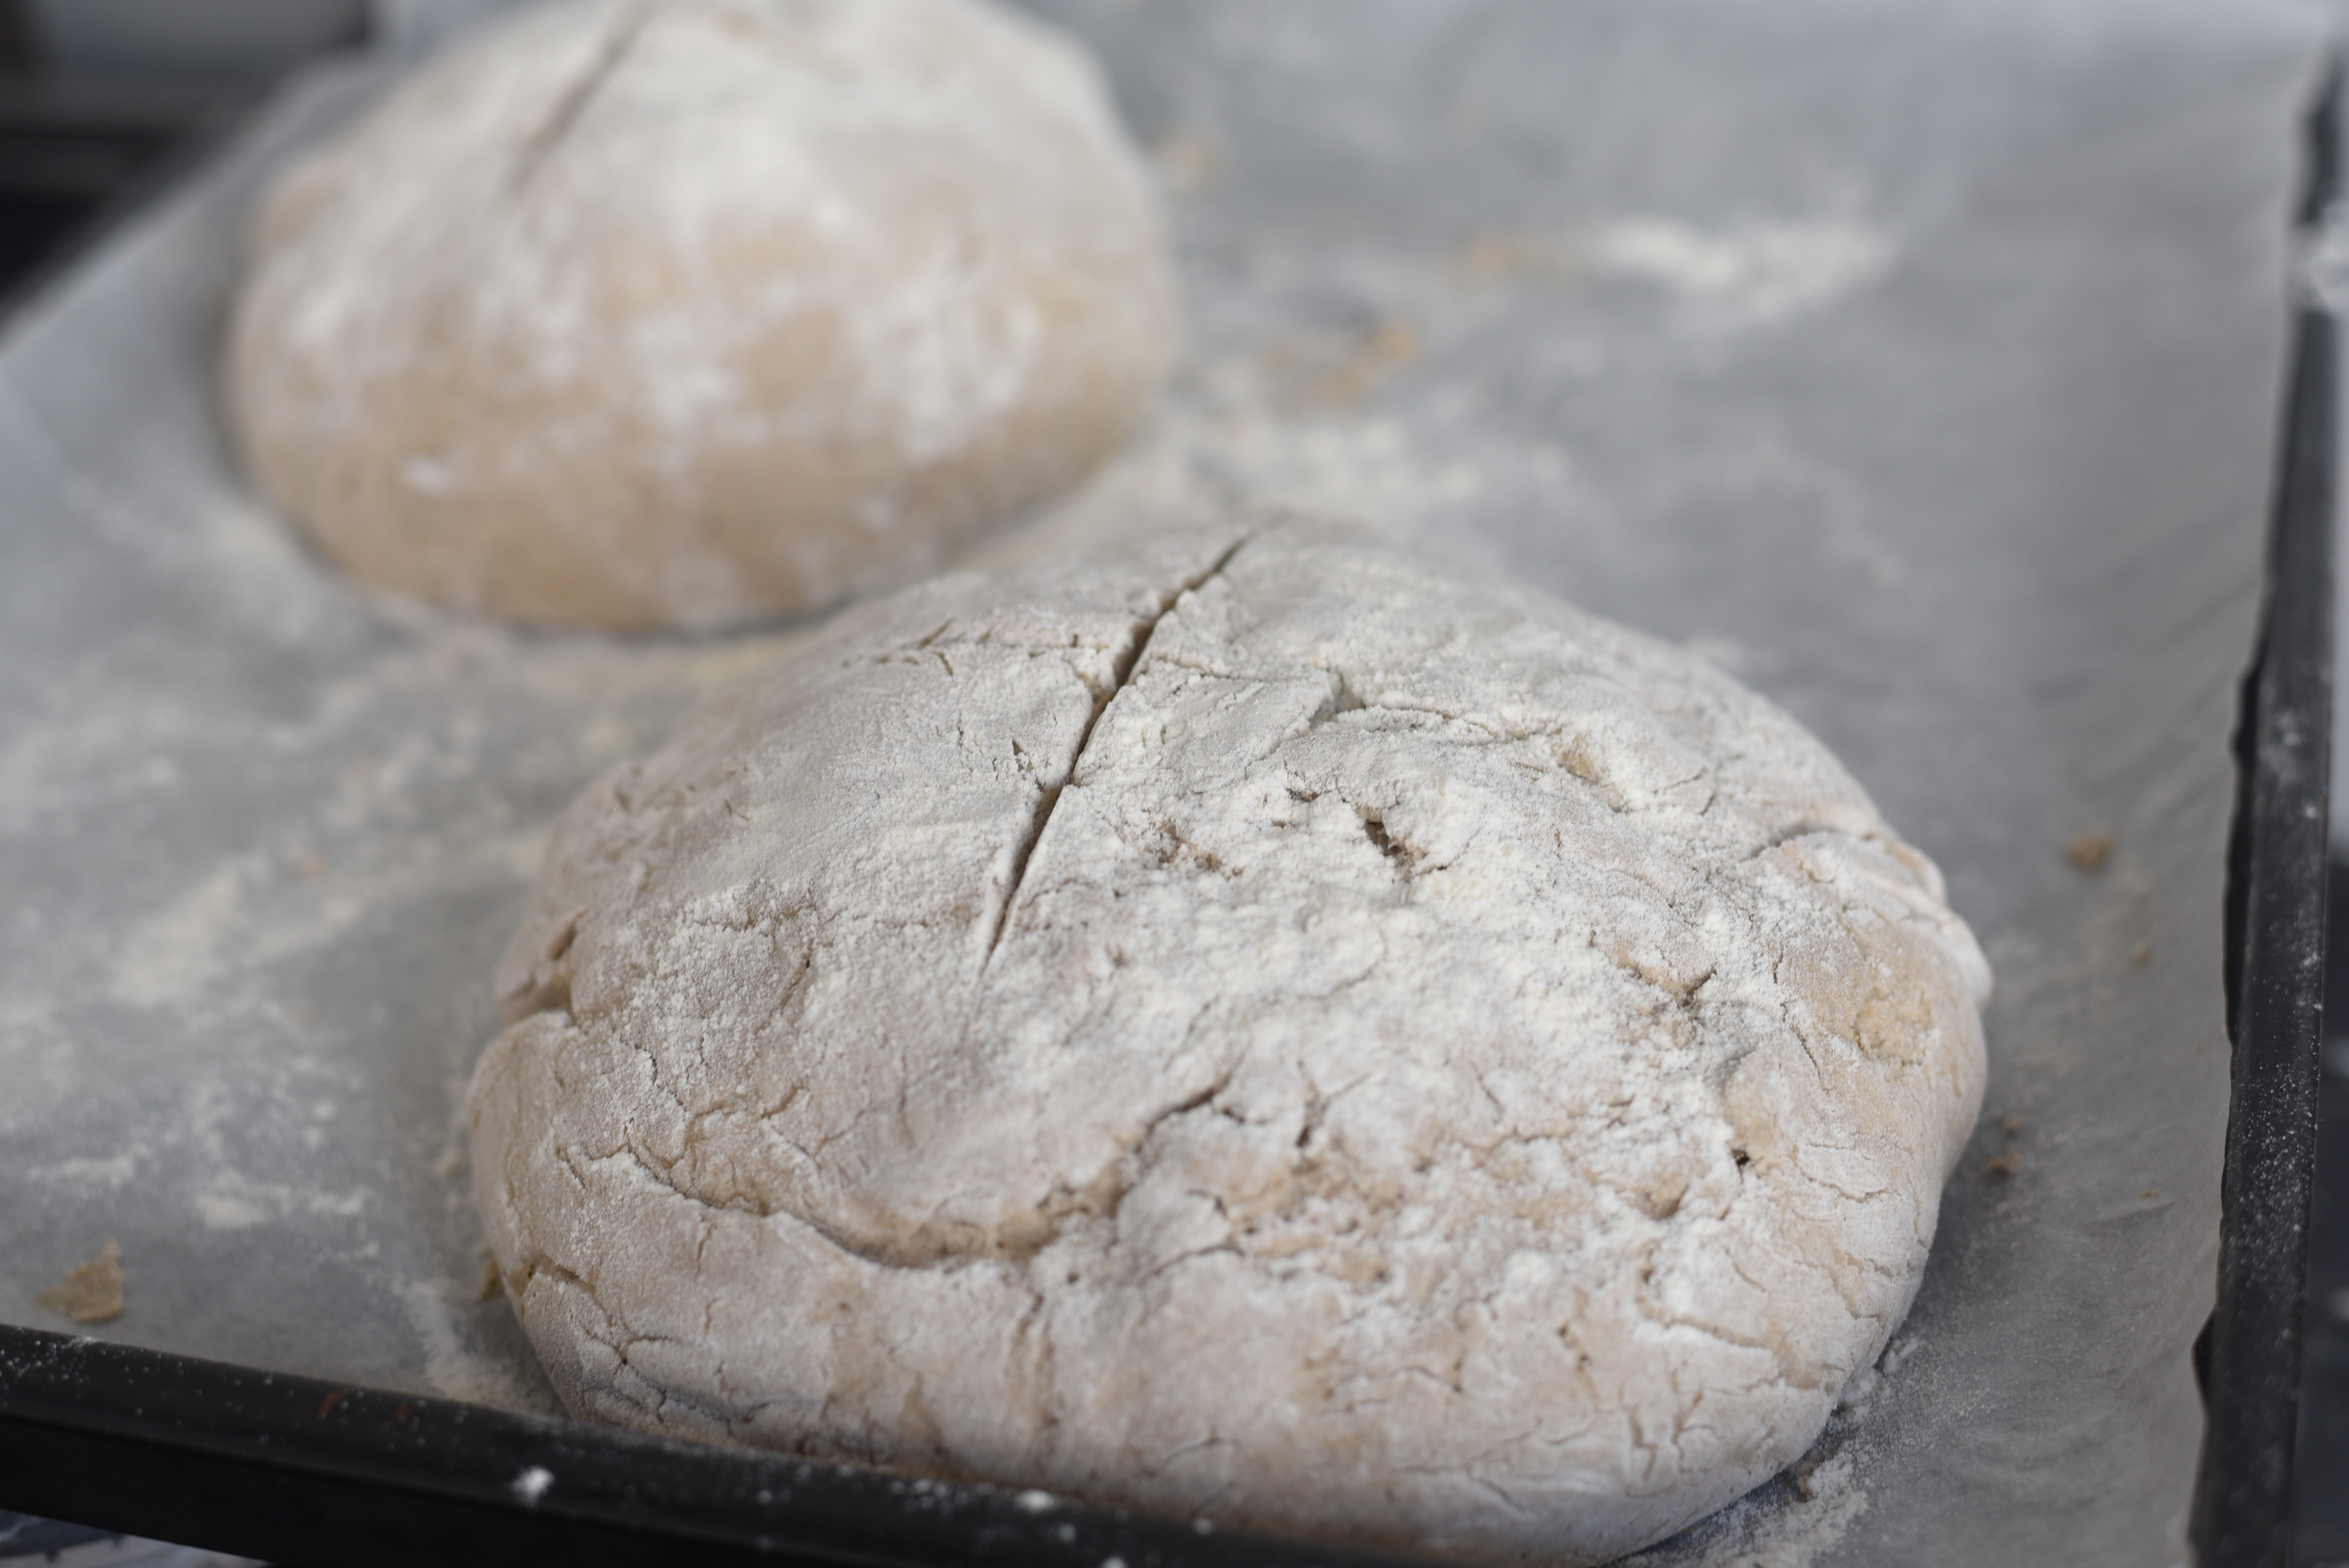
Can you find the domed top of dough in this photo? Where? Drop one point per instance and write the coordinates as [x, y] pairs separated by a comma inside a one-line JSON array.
[[1262, 1026], [633, 313]]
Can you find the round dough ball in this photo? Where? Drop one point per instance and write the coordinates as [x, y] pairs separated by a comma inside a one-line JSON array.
[[1264, 1029], [673, 314]]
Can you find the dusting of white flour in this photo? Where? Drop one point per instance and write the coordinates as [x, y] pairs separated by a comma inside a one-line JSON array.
[[1259, 1026], [629, 314]]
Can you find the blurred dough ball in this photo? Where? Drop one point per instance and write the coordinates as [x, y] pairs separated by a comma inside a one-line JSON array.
[[634, 314]]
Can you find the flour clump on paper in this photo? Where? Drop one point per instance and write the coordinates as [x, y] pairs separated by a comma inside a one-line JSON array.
[[1257, 1025], [633, 313]]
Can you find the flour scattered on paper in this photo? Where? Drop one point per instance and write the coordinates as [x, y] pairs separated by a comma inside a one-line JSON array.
[[1261, 429], [1718, 280], [203, 954], [454, 1364], [237, 1203], [175, 952], [364, 844], [1231, 448], [110, 1174], [1738, 277], [1787, 1522]]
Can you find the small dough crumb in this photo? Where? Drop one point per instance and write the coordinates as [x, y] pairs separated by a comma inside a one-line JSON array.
[[2089, 852], [91, 1291]]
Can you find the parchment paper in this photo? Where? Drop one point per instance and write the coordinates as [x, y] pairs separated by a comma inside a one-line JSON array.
[[1918, 362]]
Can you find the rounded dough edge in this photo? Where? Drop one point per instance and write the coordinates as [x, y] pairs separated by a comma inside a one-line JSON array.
[[1098, 1203], [682, 314]]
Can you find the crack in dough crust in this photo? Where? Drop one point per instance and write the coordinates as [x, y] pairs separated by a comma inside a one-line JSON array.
[[1257, 1027], [635, 313]]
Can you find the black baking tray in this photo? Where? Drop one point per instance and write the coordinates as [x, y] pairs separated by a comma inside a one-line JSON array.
[[303, 1471], [2249, 1356], [299, 1471]]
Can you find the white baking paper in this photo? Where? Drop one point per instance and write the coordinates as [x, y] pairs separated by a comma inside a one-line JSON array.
[[1918, 362]]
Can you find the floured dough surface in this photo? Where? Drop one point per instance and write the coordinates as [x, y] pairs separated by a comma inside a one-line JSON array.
[[1257, 1027], [674, 312]]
